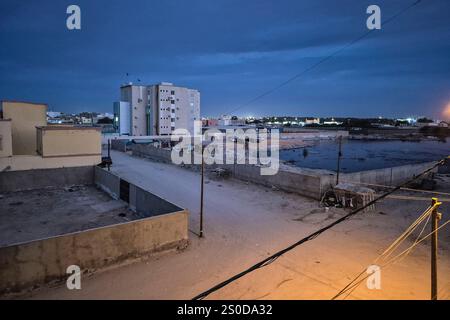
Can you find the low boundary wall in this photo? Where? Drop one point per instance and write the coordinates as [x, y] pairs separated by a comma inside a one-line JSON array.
[[307, 182], [119, 145], [292, 180], [386, 176], [138, 199], [41, 178], [151, 152], [41, 261], [163, 226]]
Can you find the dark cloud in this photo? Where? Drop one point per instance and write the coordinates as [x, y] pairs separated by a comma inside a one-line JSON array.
[[231, 50]]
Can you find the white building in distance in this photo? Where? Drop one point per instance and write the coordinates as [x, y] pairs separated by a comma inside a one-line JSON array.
[[156, 109]]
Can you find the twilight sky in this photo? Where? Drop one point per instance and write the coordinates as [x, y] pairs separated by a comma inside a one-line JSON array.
[[232, 51]]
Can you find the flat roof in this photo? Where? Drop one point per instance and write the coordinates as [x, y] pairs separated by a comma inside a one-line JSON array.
[[21, 101], [125, 137], [53, 211], [134, 85], [167, 84], [67, 127]]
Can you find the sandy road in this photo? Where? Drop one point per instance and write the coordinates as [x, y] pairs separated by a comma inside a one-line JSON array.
[[243, 224]]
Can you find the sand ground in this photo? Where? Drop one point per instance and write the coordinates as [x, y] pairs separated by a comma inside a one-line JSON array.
[[245, 223]]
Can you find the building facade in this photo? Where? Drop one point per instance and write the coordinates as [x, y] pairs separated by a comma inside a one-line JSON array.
[[27, 142], [156, 109], [25, 117]]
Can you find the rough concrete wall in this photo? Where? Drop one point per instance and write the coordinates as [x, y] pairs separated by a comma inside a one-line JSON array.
[[289, 180], [5, 138], [24, 162], [107, 181], [141, 201], [41, 261], [119, 145], [313, 134], [387, 176], [303, 184], [41, 178], [65, 141], [150, 152], [307, 184], [148, 204]]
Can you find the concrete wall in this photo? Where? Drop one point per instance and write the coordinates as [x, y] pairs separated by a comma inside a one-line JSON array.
[[107, 181], [57, 146], [25, 117], [119, 145], [387, 176], [306, 182], [288, 179], [41, 261], [163, 226], [148, 204], [308, 185], [23, 162], [140, 200], [41, 178], [68, 141], [5, 138], [150, 152], [314, 134]]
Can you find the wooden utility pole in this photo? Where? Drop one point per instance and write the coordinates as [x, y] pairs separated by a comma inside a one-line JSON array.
[[201, 194], [109, 154], [339, 160], [435, 217]]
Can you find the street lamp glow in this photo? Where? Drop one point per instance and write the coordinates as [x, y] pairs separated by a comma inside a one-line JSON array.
[[446, 112]]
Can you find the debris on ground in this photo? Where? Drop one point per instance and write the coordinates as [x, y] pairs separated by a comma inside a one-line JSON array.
[[354, 196]]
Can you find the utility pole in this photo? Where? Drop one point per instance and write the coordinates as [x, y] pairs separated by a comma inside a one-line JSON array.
[[201, 194], [109, 154], [435, 217], [339, 160]]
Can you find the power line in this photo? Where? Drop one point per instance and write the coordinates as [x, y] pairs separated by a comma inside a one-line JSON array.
[[389, 262], [312, 236], [351, 43], [388, 251]]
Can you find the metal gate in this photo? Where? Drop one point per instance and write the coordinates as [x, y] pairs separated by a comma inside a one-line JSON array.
[[124, 190]]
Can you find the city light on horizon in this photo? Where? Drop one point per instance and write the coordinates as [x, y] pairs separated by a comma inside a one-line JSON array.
[[446, 112]]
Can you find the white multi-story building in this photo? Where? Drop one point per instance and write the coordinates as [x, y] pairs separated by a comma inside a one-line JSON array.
[[156, 109]]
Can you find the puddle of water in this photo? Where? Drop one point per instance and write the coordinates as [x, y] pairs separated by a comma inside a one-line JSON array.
[[366, 155]]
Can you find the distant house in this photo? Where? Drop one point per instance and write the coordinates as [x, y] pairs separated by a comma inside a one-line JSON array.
[[312, 121], [210, 122]]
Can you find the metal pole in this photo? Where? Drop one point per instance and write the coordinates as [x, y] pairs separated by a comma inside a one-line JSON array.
[[339, 160], [201, 196], [435, 216], [109, 152]]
